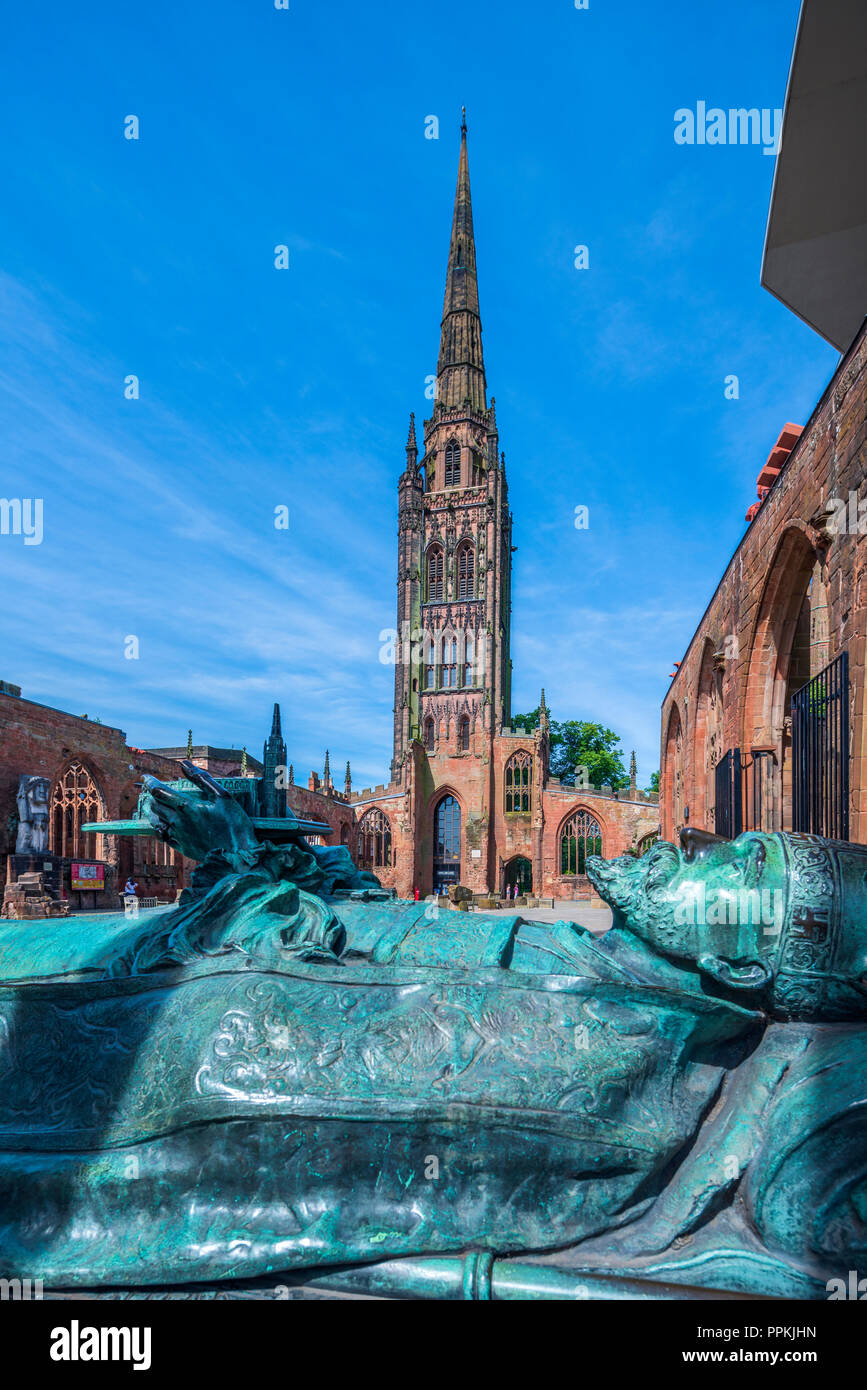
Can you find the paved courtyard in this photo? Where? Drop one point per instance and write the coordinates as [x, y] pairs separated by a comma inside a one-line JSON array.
[[597, 919]]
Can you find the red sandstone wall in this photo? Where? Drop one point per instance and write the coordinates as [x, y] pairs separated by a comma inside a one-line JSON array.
[[312, 805], [484, 822], [623, 824], [751, 617], [41, 741]]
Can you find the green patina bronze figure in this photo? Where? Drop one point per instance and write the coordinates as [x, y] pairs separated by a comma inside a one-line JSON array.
[[293, 1077]]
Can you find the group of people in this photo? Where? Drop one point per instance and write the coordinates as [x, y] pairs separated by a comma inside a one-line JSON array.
[[513, 891]]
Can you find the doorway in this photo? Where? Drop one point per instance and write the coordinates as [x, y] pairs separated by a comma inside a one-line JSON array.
[[447, 844], [519, 874]]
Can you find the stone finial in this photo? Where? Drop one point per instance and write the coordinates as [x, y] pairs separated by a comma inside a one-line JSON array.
[[291, 775], [326, 780], [189, 743], [244, 761], [347, 781], [633, 772]]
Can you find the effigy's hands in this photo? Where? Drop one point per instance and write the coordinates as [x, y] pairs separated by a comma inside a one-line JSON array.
[[197, 822]]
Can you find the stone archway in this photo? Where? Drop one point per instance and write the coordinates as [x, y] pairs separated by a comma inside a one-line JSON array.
[[706, 741], [518, 874], [672, 774], [446, 842], [789, 645]]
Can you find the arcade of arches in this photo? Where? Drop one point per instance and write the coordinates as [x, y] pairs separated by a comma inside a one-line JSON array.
[[763, 725]]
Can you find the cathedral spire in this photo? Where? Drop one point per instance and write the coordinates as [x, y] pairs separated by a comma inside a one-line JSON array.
[[461, 368]]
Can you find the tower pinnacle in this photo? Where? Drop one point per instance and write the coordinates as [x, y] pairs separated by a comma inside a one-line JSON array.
[[411, 444]]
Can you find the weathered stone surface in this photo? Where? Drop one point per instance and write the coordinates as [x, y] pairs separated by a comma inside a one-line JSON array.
[[733, 687]]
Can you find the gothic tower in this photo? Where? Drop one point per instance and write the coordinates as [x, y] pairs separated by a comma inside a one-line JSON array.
[[273, 797], [452, 677]]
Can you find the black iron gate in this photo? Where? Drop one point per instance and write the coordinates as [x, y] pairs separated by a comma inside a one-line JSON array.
[[820, 753], [762, 801], [728, 805]]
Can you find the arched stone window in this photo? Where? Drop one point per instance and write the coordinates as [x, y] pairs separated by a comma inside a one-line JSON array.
[[447, 843], [579, 837], [429, 734], [466, 570], [344, 834], [450, 661], [75, 800], [453, 464], [435, 572], [468, 675], [374, 840], [646, 843], [430, 664], [464, 735], [519, 781]]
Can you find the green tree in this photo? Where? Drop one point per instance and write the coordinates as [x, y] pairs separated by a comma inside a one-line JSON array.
[[527, 722], [654, 782], [580, 743]]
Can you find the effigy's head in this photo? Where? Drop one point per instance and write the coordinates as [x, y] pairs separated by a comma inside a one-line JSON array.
[[777, 918]]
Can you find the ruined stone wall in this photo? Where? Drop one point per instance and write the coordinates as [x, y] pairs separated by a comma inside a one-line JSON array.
[[757, 640], [42, 741]]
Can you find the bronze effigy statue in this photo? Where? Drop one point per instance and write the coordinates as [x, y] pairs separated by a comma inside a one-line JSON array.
[[293, 1076]]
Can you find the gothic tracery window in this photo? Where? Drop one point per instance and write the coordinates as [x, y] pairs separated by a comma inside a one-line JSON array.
[[466, 570], [430, 664], [374, 840], [519, 781], [468, 674], [450, 661], [464, 735], [579, 837], [453, 464], [435, 572], [75, 801], [429, 735]]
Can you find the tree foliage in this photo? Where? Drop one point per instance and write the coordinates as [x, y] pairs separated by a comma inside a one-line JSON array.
[[578, 743]]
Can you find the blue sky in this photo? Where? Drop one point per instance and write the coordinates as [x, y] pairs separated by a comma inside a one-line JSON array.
[[262, 387]]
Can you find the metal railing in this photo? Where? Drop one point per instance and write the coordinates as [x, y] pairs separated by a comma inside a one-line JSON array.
[[820, 753], [728, 797]]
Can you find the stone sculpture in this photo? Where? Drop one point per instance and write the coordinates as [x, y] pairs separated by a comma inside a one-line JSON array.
[[32, 801], [294, 1077]]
